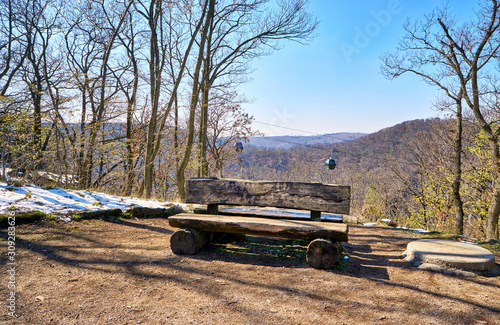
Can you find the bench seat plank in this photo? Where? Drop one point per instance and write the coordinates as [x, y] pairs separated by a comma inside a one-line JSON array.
[[296, 229]]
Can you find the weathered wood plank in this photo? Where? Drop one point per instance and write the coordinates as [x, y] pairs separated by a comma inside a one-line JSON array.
[[293, 195], [309, 230]]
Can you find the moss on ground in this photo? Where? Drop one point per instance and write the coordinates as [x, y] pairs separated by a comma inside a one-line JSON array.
[[21, 218]]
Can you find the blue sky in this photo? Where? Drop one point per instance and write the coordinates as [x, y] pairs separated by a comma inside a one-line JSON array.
[[334, 83]]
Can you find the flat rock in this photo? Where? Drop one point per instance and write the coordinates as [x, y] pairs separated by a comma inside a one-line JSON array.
[[449, 254]]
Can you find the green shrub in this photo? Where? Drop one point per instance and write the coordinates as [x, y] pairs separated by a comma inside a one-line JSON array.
[[18, 183], [51, 217]]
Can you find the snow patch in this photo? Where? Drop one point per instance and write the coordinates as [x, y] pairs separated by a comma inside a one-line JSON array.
[[63, 202]]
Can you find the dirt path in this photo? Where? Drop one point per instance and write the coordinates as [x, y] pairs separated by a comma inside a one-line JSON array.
[[101, 272]]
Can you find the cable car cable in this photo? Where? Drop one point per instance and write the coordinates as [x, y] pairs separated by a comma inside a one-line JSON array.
[[329, 163], [295, 143], [305, 145], [284, 127], [303, 131]]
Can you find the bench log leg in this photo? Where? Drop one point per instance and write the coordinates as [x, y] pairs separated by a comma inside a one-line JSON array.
[[212, 209], [188, 241], [316, 215], [322, 254]]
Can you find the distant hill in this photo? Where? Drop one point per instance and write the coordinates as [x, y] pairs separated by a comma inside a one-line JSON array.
[[392, 139], [369, 149], [290, 141]]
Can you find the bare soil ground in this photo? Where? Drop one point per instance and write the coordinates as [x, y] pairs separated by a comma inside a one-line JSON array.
[[123, 272]]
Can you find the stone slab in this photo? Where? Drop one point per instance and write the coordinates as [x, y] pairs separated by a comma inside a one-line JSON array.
[[450, 254]]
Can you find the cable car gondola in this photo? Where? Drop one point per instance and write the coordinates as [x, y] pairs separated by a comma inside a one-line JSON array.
[[330, 162], [238, 147]]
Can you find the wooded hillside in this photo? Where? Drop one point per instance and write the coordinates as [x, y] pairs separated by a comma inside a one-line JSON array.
[[403, 173]]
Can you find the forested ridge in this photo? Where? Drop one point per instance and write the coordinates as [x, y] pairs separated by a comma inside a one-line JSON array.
[[402, 173]]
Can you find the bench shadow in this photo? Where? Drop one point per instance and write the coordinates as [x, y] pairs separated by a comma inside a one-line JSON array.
[[361, 263], [256, 250]]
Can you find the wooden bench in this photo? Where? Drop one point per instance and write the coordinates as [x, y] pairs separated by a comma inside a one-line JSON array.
[[322, 252]]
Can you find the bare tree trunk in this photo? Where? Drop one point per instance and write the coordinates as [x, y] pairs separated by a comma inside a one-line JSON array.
[[194, 103], [155, 68], [151, 154], [220, 167], [494, 209], [493, 212], [457, 199], [131, 104], [203, 138], [96, 124], [128, 137], [82, 174], [4, 164], [36, 94], [206, 84], [35, 82], [176, 132]]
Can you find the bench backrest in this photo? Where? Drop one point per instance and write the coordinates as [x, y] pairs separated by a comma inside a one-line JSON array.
[[289, 195]]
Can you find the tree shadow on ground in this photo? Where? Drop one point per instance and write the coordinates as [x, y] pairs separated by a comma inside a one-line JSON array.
[[140, 225], [363, 263]]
